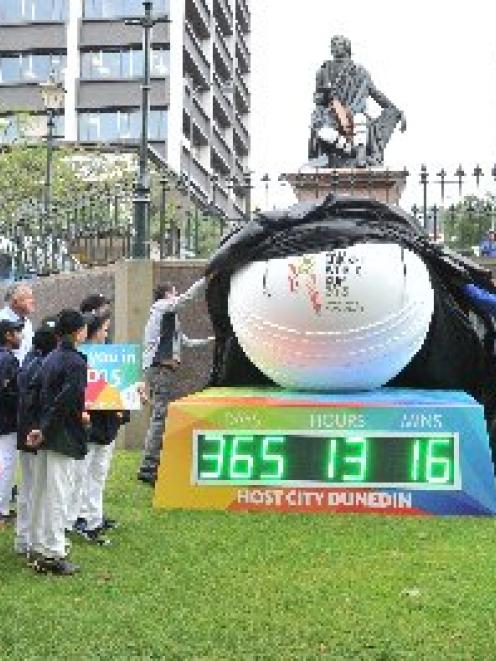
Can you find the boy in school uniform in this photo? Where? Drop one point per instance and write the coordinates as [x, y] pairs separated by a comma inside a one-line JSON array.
[[102, 432], [10, 341], [28, 418], [62, 439]]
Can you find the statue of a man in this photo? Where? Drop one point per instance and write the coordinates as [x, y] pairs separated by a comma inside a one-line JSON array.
[[342, 134]]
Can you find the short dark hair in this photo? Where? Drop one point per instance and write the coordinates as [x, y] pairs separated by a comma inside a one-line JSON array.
[[93, 302], [95, 322], [45, 339], [161, 290]]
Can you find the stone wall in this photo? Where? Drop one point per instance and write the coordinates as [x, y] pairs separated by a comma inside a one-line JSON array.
[[68, 289]]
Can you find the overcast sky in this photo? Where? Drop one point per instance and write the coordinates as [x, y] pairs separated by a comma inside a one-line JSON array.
[[435, 60]]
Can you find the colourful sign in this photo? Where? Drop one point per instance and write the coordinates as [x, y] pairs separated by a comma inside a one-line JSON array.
[[387, 451], [114, 373]]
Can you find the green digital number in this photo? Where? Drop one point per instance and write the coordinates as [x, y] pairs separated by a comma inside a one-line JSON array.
[[357, 459], [268, 456], [332, 457], [215, 458], [438, 467], [240, 463], [430, 461]]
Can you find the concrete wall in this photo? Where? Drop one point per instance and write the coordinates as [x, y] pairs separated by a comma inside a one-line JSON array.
[[68, 290]]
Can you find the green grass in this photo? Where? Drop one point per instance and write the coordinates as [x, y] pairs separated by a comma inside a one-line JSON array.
[[187, 585]]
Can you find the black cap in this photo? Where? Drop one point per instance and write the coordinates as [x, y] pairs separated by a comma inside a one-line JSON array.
[[9, 326], [94, 302], [70, 321]]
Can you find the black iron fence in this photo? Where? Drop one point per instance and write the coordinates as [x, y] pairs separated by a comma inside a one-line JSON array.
[[95, 227]]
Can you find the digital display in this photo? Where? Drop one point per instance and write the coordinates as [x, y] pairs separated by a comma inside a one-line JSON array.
[[387, 459]]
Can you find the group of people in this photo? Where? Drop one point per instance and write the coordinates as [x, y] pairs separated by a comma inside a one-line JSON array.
[[64, 451]]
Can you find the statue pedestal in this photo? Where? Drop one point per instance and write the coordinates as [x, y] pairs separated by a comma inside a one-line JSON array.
[[311, 184]]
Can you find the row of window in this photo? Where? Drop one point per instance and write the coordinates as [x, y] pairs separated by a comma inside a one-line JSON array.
[[95, 65], [30, 67], [14, 11], [119, 8], [32, 127], [126, 63], [104, 126], [121, 125]]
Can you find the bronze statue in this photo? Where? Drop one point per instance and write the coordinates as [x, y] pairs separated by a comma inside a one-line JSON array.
[[342, 134]]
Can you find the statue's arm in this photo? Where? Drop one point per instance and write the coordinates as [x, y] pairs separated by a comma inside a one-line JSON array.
[[382, 100], [319, 95]]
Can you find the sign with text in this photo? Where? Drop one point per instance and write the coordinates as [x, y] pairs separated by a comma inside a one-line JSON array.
[[387, 451], [114, 374]]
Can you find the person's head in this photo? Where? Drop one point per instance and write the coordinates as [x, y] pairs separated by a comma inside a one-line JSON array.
[[71, 325], [95, 303], [19, 297], [164, 290], [98, 328], [10, 334], [491, 235], [340, 47], [45, 338]]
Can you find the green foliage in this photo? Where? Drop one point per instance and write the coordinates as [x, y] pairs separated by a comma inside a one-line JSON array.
[[210, 585], [466, 223]]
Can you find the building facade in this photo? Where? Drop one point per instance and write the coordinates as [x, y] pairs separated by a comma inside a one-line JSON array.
[[200, 82]]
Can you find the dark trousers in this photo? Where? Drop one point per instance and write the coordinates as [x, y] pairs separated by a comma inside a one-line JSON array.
[[160, 383]]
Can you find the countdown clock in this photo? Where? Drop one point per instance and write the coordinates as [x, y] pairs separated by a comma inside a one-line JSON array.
[[387, 451]]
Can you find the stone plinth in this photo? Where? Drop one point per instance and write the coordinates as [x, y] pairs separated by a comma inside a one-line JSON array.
[[376, 184]]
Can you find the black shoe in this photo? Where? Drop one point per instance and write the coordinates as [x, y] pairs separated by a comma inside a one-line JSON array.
[[109, 524], [95, 537], [148, 477], [80, 526], [59, 567], [7, 518]]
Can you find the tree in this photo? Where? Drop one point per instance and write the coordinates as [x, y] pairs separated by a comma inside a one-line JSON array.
[[466, 223]]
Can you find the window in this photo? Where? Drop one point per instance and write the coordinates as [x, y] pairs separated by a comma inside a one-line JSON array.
[[119, 8], [28, 127], [13, 11], [97, 65], [30, 67], [120, 125]]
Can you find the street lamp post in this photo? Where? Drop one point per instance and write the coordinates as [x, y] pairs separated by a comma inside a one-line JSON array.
[[141, 245], [52, 93]]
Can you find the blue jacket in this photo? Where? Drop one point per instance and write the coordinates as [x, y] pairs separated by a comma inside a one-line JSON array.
[[9, 367], [28, 410], [63, 385]]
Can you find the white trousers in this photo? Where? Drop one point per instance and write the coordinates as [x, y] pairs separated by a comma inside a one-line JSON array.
[[52, 490], [8, 457], [27, 461], [97, 464], [77, 478]]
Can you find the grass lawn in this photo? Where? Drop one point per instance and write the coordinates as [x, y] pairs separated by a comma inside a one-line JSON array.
[[243, 586]]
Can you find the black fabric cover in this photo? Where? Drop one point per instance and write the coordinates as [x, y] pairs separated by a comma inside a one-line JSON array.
[[453, 355]]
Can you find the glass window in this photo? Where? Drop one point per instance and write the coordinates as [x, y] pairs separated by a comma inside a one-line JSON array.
[[137, 64], [133, 8], [10, 69], [10, 10], [109, 129], [35, 67], [160, 63], [157, 129], [88, 126]]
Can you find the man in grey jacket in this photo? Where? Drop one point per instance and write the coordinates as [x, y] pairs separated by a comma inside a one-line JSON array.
[[163, 341]]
